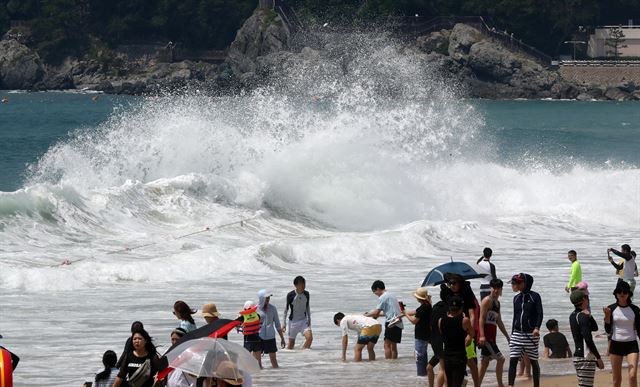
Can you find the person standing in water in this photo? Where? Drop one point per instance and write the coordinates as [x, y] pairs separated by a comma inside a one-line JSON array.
[[582, 324], [457, 334], [489, 269], [389, 307], [576, 271], [629, 268], [421, 318], [368, 329], [300, 316], [270, 324], [490, 321], [622, 322], [525, 329], [183, 312]]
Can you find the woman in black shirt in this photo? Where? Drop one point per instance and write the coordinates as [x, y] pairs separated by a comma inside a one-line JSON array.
[[143, 351]]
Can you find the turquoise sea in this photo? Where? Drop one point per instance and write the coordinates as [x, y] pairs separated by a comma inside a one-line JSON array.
[[378, 171]]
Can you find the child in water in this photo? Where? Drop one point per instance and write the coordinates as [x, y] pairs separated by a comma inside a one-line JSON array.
[[250, 328]]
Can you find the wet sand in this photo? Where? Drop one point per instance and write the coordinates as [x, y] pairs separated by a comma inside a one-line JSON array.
[[603, 378]]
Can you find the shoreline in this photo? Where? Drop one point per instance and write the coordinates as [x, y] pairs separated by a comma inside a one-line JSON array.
[[603, 378]]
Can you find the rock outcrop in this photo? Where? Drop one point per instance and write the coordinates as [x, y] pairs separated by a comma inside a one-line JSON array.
[[20, 67], [262, 34], [489, 69]]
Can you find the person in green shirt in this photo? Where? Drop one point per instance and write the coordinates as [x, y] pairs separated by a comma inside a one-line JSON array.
[[576, 271]]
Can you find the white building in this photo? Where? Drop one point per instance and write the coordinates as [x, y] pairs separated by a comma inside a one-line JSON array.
[[597, 47]]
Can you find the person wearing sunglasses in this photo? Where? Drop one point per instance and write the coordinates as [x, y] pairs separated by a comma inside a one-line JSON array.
[[622, 322]]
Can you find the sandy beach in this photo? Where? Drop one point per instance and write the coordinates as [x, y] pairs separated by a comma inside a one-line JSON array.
[[603, 378]]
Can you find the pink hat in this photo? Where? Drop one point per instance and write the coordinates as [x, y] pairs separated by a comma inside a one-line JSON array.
[[584, 285]]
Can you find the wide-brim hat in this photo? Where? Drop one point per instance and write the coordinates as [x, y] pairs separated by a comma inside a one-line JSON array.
[[421, 294], [228, 371], [210, 310]]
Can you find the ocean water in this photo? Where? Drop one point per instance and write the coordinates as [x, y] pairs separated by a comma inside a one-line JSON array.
[[345, 171]]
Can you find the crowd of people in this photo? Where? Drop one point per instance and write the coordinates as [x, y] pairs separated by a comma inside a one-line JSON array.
[[457, 327]]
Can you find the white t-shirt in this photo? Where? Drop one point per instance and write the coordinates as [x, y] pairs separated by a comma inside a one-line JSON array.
[[624, 324], [356, 322], [484, 267], [629, 269]]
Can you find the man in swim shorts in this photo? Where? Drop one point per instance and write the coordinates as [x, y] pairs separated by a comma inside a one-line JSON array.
[[300, 315], [368, 329]]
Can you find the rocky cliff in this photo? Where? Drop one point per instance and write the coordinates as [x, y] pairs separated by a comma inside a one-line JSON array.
[[262, 47], [20, 67]]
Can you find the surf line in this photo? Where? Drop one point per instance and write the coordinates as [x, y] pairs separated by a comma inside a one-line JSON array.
[[241, 222]]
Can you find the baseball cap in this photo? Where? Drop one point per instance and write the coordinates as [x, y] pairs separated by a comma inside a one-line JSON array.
[[577, 296], [264, 293], [516, 279]]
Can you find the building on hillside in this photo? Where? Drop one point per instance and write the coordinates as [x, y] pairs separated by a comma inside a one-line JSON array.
[[630, 47]]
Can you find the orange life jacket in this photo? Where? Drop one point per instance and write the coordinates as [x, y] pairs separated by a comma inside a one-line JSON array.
[[251, 321]]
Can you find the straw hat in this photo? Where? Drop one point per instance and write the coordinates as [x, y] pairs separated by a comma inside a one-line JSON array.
[[210, 310], [228, 371], [422, 294]]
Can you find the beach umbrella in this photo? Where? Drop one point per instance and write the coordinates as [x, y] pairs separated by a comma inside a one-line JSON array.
[[217, 328], [209, 357], [436, 275]]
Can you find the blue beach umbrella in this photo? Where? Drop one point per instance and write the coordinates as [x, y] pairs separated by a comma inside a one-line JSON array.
[[436, 275]]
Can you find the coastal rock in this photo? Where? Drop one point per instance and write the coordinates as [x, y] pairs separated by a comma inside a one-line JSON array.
[[584, 97], [105, 86], [461, 39], [615, 94], [437, 41], [628, 86], [492, 61], [20, 67], [56, 81], [263, 33]]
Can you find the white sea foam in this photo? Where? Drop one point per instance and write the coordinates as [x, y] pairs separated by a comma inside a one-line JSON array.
[[348, 166], [341, 157]]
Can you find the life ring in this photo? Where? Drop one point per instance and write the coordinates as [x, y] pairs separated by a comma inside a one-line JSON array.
[[6, 369]]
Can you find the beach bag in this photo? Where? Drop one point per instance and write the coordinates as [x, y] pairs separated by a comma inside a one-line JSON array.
[[141, 375]]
